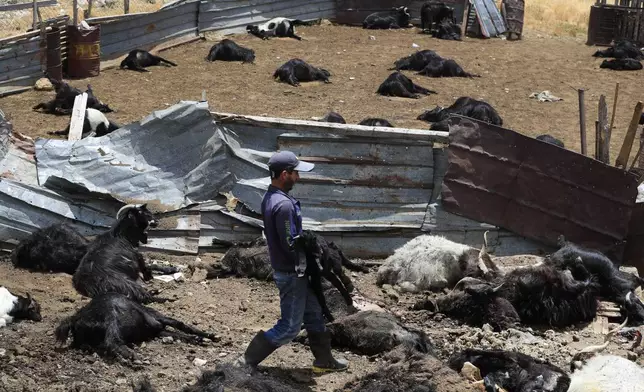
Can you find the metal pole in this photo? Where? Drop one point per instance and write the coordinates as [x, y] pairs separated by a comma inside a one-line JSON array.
[[582, 121], [35, 14], [75, 12]]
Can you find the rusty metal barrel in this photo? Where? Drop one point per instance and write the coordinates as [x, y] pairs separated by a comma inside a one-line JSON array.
[[84, 54], [54, 56]]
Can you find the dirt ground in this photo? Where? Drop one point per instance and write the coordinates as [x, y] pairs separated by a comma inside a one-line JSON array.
[[510, 72], [234, 309]]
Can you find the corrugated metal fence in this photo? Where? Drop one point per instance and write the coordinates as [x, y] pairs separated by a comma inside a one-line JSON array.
[[21, 63]]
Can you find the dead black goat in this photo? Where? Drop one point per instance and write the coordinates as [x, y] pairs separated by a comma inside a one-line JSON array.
[[333, 117], [325, 260], [464, 106], [113, 263], [111, 321], [228, 50], [416, 61], [296, 70], [138, 60], [63, 102], [55, 248], [551, 139], [437, 68], [243, 259], [623, 64], [621, 49], [399, 85]]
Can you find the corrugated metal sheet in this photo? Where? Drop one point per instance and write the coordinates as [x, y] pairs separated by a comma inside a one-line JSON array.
[[488, 18], [232, 16], [120, 36], [353, 12], [535, 189], [20, 63]]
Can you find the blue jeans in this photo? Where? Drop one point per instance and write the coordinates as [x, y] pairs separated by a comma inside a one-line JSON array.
[[298, 304]]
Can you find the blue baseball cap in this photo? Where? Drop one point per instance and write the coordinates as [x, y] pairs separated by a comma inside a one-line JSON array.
[[287, 160]]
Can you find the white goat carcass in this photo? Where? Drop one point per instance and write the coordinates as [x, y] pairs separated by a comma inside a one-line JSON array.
[[16, 307], [430, 262], [601, 373]]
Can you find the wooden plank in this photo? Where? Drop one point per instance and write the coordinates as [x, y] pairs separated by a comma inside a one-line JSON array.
[[26, 6], [604, 131], [78, 117], [625, 152], [339, 129], [582, 121]]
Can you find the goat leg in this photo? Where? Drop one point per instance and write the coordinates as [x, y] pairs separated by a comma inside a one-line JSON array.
[[143, 268], [178, 335], [176, 324], [164, 269], [316, 286], [335, 281]]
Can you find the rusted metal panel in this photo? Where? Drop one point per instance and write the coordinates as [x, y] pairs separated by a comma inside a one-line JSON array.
[[84, 52], [54, 58], [634, 252], [513, 12], [534, 189], [353, 12], [232, 16], [484, 19], [119, 36]]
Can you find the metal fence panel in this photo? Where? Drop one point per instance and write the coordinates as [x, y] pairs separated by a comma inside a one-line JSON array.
[[120, 36], [20, 63], [232, 16], [535, 189], [353, 12]]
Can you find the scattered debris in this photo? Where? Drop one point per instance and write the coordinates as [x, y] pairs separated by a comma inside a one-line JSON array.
[[545, 96], [43, 84], [199, 362], [178, 276]]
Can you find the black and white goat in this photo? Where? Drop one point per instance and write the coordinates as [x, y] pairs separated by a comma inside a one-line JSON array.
[[228, 50], [624, 64], [438, 68], [333, 117], [551, 139], [63, 102], [431, 262], [55, 248], [94, 124], [112, 262], [514, 371], [464, 106], [296, 70], [111, 321], [325, 260], [416, 61], [278, 27], [396, 18], [376, 122], [15, 307], [399, 85], [138, 60]]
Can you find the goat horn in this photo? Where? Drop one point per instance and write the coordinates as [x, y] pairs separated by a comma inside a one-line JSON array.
[[497, 288], [598, 348], [483, 253], [124, 209]]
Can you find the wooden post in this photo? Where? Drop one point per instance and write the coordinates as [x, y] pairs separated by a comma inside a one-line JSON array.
[[203, 96], [603, 146], [625, 152], [75, 10], [126, 6], [89, 9], [612, 117], [582, 121], [597, 141], [35, 15]]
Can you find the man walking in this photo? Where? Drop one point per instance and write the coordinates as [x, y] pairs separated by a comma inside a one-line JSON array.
[[298, 304]]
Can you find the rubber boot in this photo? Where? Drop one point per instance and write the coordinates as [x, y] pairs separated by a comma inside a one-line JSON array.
[[258, 349], [320, 343]]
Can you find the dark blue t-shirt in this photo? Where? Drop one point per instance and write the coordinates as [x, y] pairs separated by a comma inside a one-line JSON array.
[[282, 222]]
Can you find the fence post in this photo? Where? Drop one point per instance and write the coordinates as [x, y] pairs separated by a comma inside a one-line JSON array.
[[582, 121], [126, 6], [625, 152], [35, 15], [75, 12]]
